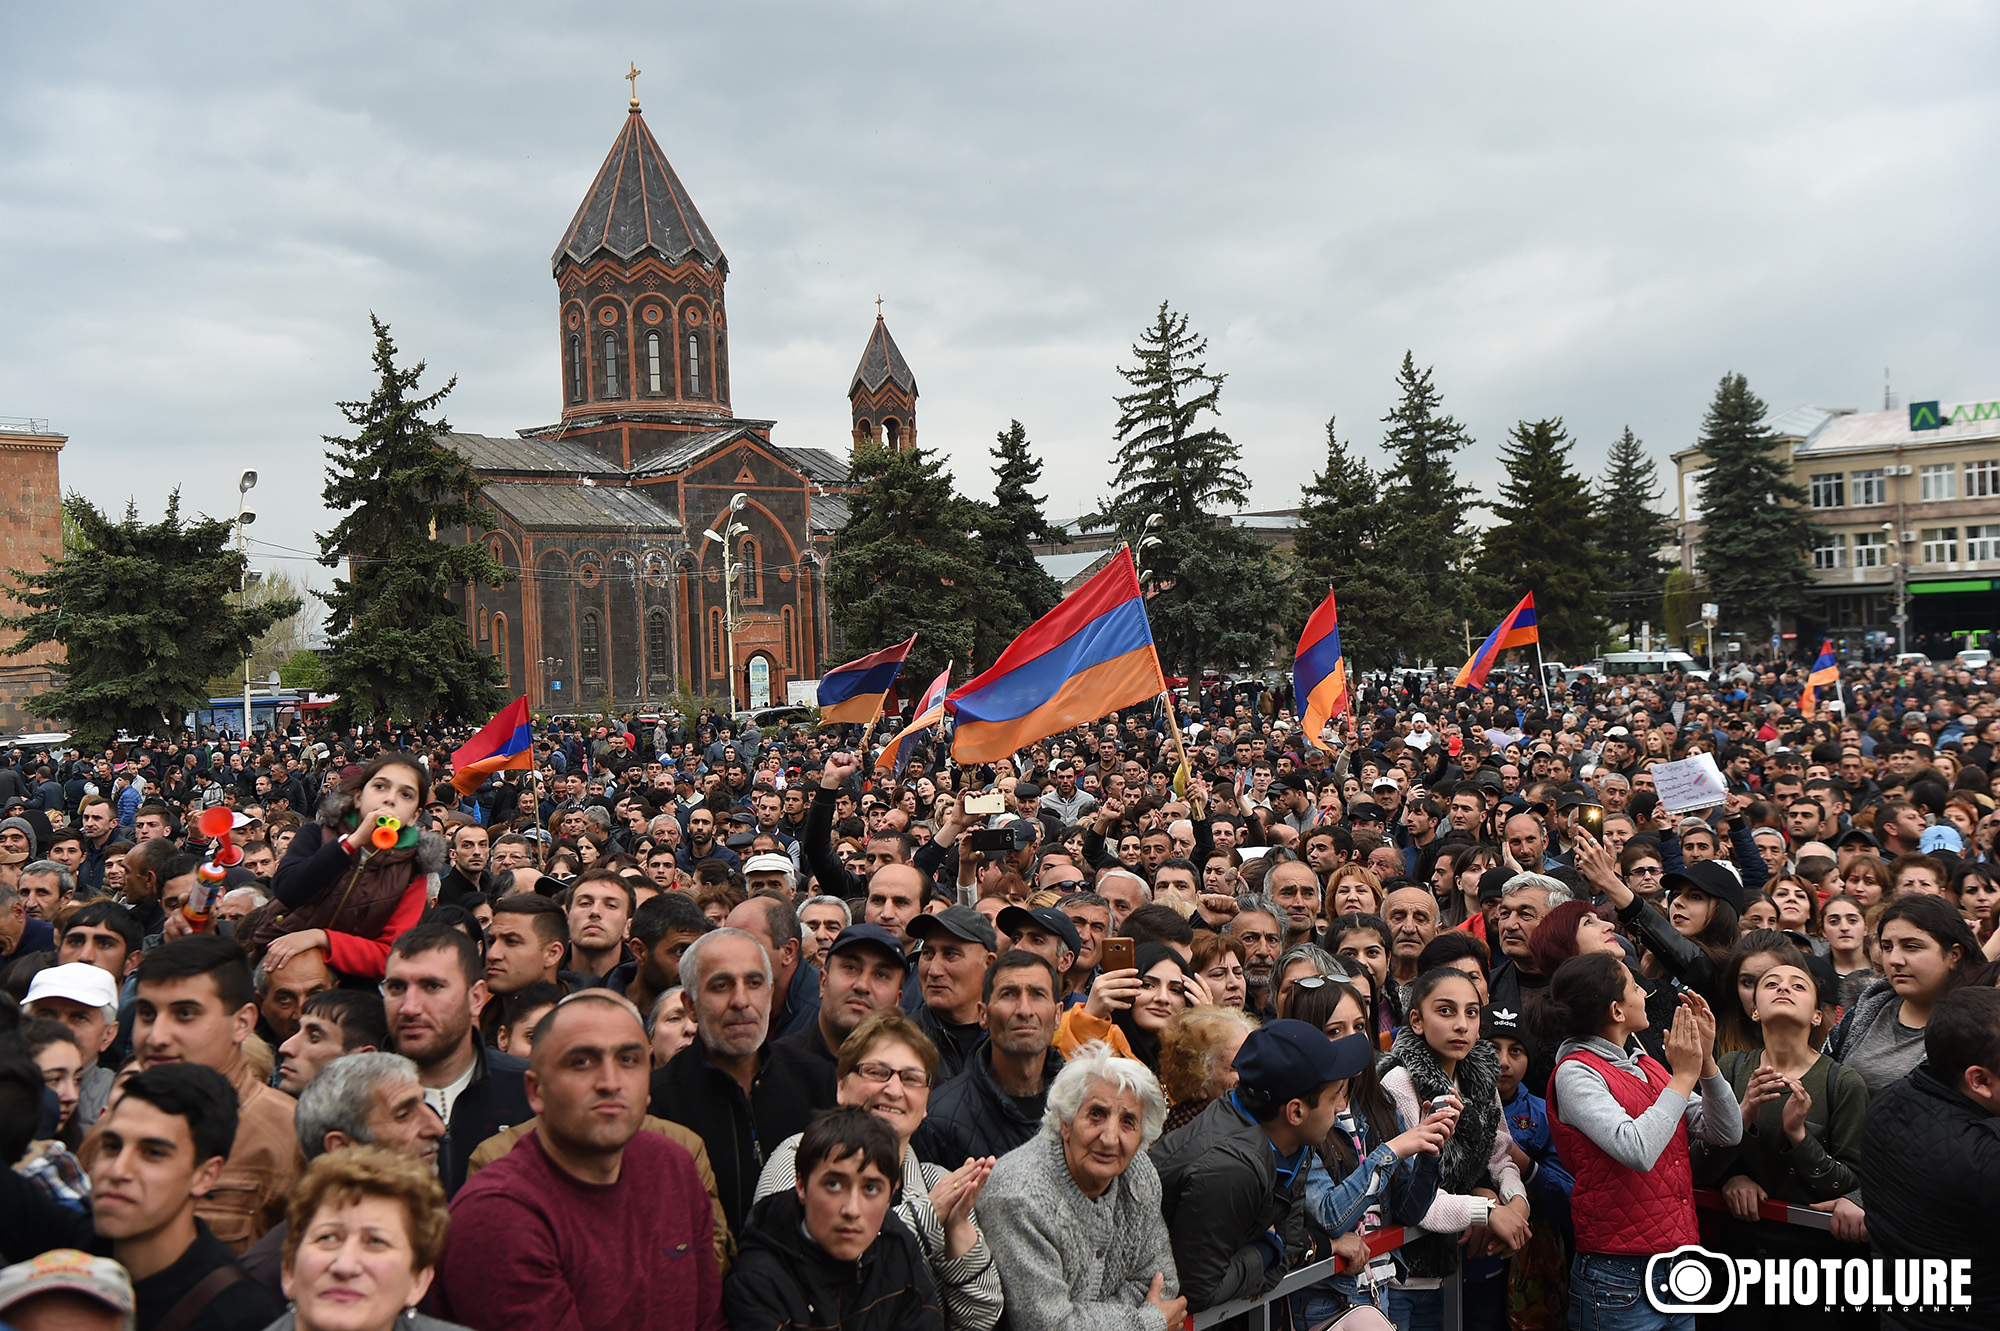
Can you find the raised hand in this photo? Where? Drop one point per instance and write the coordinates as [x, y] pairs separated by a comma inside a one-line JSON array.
[[1765, 1083], [1795, 1111], [838, 768]]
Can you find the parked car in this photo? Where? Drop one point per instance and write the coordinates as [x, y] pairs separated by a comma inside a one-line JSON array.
[[1973, 658]]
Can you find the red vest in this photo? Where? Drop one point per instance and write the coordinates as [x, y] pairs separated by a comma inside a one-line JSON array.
[[1616, 1209]]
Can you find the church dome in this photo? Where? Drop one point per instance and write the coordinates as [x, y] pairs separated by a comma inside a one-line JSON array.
[[636, 206]]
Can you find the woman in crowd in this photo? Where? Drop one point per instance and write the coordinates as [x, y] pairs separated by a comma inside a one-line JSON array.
[[1198, 1057], [1802, 1117], [1468, 865], [362, 1243], [1218, 959], [1439, 1059], [1842, 923], [1219, 875], [522, 1011], [1353, 891], [1926, 951], [1692, 940], [1798, 909], [336, 891], [888, 1067], [1977, 889], [1296, 963], [1866, 879], [1073, 1216], [1755, 953], [1759, 912], [673, 1025], [1361, 944], [1621, 1124], [1130, 1008]]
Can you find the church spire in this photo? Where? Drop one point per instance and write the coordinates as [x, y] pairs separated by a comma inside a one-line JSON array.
[[883, 393]]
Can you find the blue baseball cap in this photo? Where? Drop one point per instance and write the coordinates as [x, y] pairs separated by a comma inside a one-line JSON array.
[[1289, 1059]]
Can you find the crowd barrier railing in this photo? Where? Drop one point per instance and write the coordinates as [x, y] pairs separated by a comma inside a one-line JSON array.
[[1258, 1310], [1783, 1212]]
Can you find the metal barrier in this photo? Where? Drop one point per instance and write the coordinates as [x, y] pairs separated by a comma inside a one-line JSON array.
[[1258, 1310], [1783, 1212]]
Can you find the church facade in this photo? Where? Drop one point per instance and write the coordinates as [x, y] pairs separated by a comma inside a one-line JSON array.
[[660, 542]]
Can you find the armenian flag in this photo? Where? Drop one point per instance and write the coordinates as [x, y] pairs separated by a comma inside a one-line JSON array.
[[1090, 656], [1319, 676], [855, 692], [1516, 630], [506, 743], [927, 713], [1824, 671]]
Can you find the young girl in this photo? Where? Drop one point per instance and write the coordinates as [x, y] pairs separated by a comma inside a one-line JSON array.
[[1759, 913], [1926, 952], [1362, 943], [1621, 1123], [1439, 1059], [1802, 1118], [1842, 922], [1866, 880], [1759, 951]]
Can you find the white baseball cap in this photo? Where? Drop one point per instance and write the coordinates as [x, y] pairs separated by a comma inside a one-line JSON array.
[[78, 981], [769, 863]]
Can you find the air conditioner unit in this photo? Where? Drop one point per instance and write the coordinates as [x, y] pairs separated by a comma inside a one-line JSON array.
[[1903, 470], [1909, 536]]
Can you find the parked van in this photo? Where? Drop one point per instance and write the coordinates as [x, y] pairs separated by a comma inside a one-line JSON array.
[[1647, 663]]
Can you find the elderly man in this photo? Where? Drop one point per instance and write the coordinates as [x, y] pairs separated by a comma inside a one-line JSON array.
[[1259, 924], [958, 944], [1295, 887], [1412, 916], [738, 1092], [1073, 1216], [1514, 983], [84, 999], [45, 886], [795, 981], [20, 934]]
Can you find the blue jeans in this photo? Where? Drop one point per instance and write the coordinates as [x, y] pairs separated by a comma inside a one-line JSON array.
[[1416, 1309], [1607, 1293]]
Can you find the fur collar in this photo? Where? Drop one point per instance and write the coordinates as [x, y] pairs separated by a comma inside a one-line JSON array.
[[1462, 1166], [428, 856]]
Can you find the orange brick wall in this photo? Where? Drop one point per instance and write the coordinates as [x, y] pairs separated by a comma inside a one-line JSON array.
[[30, 532]]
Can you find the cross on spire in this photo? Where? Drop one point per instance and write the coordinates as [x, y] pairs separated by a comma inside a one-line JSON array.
[[878, 307], [632, 77]]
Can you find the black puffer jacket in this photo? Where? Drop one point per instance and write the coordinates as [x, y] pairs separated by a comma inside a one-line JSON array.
[[971, 1116], [1221, 1190], [783, 1281], [1930, 1169]]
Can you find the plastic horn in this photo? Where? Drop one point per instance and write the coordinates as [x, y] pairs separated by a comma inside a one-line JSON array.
[[388, 830]]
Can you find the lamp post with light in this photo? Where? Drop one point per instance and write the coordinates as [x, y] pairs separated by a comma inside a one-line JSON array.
[[245, 483], [730, 572]]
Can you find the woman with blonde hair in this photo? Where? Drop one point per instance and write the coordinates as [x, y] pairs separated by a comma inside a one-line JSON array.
[[1198, 1058]]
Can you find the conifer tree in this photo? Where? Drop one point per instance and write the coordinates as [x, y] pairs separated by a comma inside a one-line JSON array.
[[1544, 540], [146, 615], [1339, 545], [1631, 528], [1219, 593], [1007, 527], [1423, 514], [1757, 542], [397, 645], [907, 562]]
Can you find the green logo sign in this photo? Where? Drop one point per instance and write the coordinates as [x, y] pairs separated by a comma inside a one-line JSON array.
[[1924, 416], [1975, 411], [1931, 415]]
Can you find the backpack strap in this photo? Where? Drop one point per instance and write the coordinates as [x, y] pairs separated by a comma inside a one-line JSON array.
[[195, 1302]]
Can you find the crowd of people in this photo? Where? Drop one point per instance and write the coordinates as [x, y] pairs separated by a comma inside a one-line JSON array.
[[692, 1025]]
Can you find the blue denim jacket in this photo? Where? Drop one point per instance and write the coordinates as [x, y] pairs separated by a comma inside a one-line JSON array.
[[1338, 1205]]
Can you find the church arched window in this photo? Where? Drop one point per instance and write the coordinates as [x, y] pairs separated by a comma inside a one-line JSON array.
[[590, 654], [576, 369], [694, 366], [611, 365], [789, 623], [893, 429], [653, 362], [656, 644], [715, 636], [753, 573], [500, 646]]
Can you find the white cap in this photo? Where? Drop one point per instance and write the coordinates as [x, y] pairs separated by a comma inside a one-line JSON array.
[[1419, 716], [1384, 783], [78, 981], [768, 863]]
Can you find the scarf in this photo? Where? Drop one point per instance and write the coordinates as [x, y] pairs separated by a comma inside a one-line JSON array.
[[1462, 1166]]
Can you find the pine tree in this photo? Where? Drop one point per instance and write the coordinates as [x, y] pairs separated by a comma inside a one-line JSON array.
[[1007, 527], [397, 645], [906, 562], [146, 614], [1756, 547], [1423, 514], [1631, 527], [1220, 594], [1544, 540], [1338, 544]]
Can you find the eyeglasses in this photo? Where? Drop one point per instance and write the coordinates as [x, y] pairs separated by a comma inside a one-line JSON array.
[[1644, 871], [1315, 981], [1073, 885], [915, 1079]]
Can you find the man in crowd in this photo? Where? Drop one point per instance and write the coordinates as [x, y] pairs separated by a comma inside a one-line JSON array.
[[332, 1024], [84, 999], [1044, 931], [1412, 915], [587, 1222], [1295, 887], [997, 1103], [958, 942], [701, 842], [1259, 924], [863, 970], [796, 982], [196, 1005], [282, 991], [20, 934], [432, 993], [730, 1086], [467, 873], [526, 944], [1090, 915], [599, 914], [46, 887], [662, 931], [1514, 982]]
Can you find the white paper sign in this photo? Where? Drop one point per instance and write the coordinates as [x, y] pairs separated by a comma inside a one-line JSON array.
[[1693, 784]]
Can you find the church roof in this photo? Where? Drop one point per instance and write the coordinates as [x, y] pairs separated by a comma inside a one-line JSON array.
[[580, 507], [638, 204], [687, 450], [881, 362], [829, 513], [490, 453], [815, 464]]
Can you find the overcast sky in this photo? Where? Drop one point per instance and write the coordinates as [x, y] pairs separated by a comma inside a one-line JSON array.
[[1588, 211]]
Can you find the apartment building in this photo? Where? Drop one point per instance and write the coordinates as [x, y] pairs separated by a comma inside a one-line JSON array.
[[1910, 500]]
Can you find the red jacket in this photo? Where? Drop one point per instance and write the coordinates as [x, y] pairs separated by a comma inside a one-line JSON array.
[[1618, 1209]]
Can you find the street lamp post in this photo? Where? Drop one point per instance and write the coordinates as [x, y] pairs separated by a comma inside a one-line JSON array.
[[1902, 586], [551, 677], [730, 572], [245, 483]]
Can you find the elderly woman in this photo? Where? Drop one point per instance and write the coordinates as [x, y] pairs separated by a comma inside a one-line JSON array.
[[362, 1243], [1198, 1058], [1073, 1216], [888, 1066]]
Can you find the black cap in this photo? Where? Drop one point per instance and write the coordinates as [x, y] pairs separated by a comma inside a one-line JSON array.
[[1860, 834], [1366, 811], [1289, 1059], [1491, 882], [1026, 791], [1711, 878], [1014, 919], [867, 935], [960, 922]]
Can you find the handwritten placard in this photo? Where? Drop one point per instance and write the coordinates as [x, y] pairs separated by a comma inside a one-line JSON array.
[[1695, 783]]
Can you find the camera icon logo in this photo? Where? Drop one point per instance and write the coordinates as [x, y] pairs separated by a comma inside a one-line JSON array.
[[1690, 1279]]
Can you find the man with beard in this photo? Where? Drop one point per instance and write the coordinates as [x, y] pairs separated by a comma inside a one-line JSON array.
[[433, 990], [1259, 924], [997, 1104], [468, 865], [663, 929], [863, 970]]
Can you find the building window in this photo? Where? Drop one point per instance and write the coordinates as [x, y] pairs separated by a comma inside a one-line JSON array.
[[590, 653], [753, 573], [656, 643], [1869, 487], [653, 362], [576, 369], [893, 430], [1982, 479], [716, 632], [611, 365], [1832, 553], [1937, 482], [1829, 490], [1982, 543], [789, 623], [500, 647], [694, 365], [1940, 545], [1871, 549]]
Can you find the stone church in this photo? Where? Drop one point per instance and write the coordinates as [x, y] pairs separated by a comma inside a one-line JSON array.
[[650, 511]]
